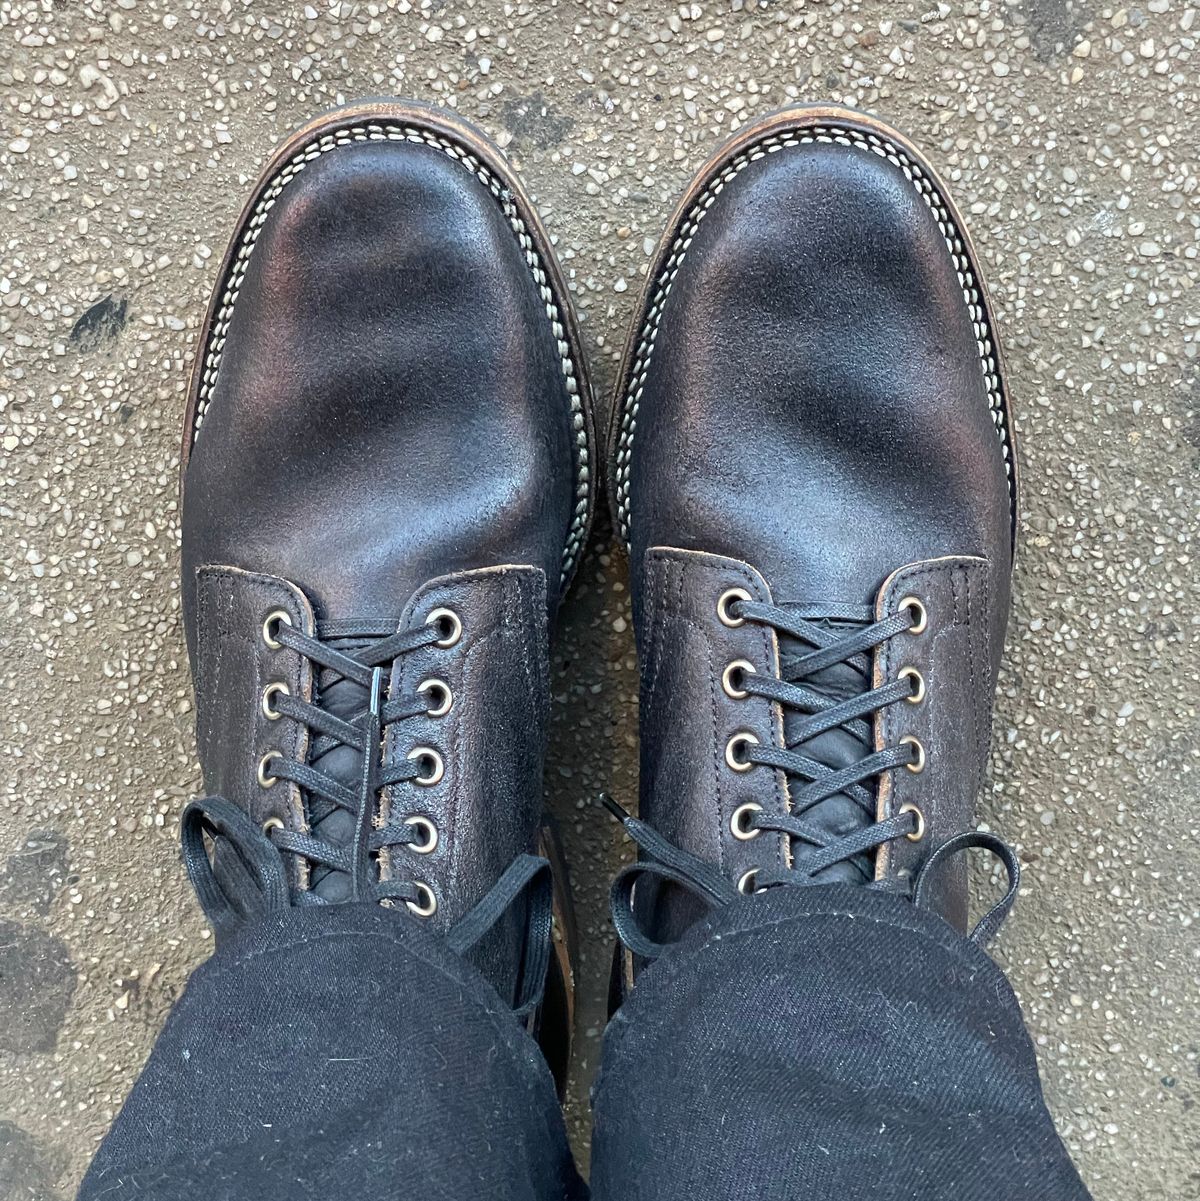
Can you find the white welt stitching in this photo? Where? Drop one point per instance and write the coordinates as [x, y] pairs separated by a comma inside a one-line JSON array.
[[683, 239], [404, 133]]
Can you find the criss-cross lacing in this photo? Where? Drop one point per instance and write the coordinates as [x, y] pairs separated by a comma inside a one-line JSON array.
[[350, 714], [839, 636], [824, 686]]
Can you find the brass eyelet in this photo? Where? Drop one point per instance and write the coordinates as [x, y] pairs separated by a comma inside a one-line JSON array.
[[725, 600], [731, 690], [919, 833], [436, 771], [428, 829], [271, 618], [740, 739], [745, 884], [453, 621], [911, 673], [276, 689], [428, 906], [437, 686], [920, 616], [273, 823], [264, 780], [737, 822], [918, 765]]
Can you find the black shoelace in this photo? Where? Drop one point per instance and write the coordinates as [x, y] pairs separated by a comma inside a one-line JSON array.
[[826, 690], [343, 845]]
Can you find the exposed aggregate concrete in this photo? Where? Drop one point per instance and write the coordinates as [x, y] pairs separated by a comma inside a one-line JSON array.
[[130, 132]]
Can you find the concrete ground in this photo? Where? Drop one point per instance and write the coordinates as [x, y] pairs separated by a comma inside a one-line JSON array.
[[130, 131]]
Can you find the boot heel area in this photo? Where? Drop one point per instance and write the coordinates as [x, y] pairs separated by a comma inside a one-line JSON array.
[[620, 978], [553, 1024]]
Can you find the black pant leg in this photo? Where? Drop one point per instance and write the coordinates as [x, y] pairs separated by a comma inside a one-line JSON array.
[[823, 1043], [338, 1052]]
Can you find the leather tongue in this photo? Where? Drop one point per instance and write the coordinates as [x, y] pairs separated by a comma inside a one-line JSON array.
[[332, 824], [839, 814]]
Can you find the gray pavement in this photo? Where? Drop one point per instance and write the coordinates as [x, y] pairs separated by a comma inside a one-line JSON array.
[[129, 134]]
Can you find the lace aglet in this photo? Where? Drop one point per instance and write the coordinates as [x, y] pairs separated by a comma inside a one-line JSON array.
[[375, 702], [617, 810]]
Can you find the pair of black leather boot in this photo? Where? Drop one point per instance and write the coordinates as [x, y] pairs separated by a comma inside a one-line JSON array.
[[390, 468]]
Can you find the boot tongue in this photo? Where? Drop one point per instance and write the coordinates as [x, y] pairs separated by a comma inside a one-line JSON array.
[[839, 814], [331, 824]]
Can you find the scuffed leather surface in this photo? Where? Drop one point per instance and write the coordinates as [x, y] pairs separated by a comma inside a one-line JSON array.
[[488, 803], [689, 793], [815, 413], [958, 656], [232, 666], [814, 403], [390, 405]]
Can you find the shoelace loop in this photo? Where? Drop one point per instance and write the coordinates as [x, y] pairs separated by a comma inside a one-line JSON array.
[[528, 877], [665, 861]]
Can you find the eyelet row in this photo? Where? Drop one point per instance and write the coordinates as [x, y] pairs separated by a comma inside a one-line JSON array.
[[437, 687], [736, 748], [919, 625], [428, 904], [419, 821], [731, 677], [739, 821], [442, 701], [270, 628], [441, 697]]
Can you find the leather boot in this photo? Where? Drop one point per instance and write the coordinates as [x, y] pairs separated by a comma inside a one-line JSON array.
[[813, 467], [388, 479]]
